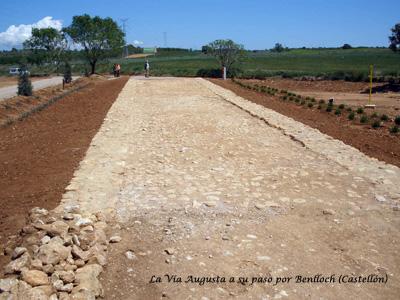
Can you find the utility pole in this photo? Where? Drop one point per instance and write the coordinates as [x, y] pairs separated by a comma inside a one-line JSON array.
[[125, 50], [165, 39]]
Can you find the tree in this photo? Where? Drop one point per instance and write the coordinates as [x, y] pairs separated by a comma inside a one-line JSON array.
[[395, 38], [205, 49], [48, 45], [278, 48], [24, 83], [97, 36], [346, 46], [227, 52]]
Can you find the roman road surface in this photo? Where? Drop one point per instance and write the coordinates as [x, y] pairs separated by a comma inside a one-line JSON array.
[[204, 183]]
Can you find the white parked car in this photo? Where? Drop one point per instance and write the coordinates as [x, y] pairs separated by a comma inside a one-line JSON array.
[[16, 71]]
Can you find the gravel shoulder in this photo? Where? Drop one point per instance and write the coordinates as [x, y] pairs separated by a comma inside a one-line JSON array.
[[202, 182]]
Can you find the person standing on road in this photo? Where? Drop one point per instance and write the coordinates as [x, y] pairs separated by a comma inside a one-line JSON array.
[[115, 70], [118, 70], [147, 68]]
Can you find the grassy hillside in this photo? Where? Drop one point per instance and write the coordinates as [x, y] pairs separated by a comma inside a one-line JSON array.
[[314, 62], [351, 64]]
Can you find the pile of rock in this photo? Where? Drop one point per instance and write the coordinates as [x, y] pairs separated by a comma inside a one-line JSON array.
[[59, 256]]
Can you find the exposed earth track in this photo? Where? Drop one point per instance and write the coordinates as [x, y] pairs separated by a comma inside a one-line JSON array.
[[39, 154]]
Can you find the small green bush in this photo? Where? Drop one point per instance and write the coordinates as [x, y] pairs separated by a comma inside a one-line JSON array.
[[67, 73], [303, 102], [338, 111], [349, 109], [376, 124], [351, 116], [364, 119], [322, 101], [297, 100], [360, 110], [384, 118], [397, 120], [374, 115], [24, 84], [310, 105], [319, 106], [341, 106], [395, 129]]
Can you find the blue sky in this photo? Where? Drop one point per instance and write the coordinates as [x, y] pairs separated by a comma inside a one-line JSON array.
[[254, 23]]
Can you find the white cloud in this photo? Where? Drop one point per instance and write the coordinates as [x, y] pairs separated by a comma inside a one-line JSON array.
[[15, 35], [137, 43]]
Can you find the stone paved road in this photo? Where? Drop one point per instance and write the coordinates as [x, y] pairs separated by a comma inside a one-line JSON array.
[[204, 183]]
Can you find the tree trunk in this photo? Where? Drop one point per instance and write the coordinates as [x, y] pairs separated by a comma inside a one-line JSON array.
[[93, 66]]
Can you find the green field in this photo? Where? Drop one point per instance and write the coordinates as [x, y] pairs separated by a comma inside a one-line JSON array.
[[350, 64], [333, 63]]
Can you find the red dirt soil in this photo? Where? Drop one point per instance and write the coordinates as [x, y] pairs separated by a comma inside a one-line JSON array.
[[379, 144], [38, 155], [334, 86]]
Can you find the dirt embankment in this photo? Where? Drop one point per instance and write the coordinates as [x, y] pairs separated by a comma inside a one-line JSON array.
[[375, 143], [39, 154]]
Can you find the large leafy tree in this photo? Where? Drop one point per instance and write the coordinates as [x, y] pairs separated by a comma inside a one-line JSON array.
[[227, 52], [395, 38], [48, 45], [96, 35]]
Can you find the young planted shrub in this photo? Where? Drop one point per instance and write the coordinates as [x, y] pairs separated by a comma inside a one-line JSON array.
[[360, 110], [397, 120], [349, 109], [303, 102], [24, 84], [376, 124], [364, 119], [395, 129], [351, 116], [341, 106], [319, 106], [338, 112], [310, 105], [374, 115], [67, 73], [384, 118], [322, 101]]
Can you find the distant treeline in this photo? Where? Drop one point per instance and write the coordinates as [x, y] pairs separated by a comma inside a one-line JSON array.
[[20, 56], [24, 56]]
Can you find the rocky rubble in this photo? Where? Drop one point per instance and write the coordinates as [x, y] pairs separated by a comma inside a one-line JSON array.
[[57, 256]]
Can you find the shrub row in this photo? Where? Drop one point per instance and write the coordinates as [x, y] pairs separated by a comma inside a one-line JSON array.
[[373, 119]]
